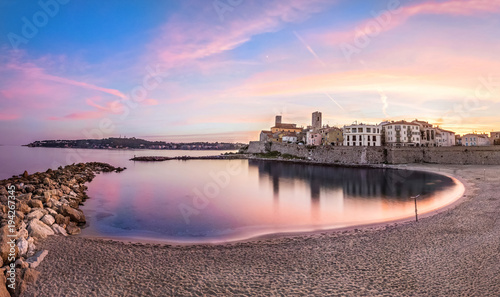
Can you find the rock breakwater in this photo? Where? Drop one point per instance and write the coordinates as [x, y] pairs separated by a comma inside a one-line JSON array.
[[34, 207]]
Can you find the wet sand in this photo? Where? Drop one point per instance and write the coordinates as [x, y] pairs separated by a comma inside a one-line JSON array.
[[453, 253]]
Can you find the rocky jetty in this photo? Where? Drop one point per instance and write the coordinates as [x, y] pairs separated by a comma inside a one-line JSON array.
[[34, 207]]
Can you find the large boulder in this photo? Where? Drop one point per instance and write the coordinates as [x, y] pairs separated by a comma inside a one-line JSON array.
[[36, 259], [22, 245], [66, 190], [3, 286], [62, 220], [25, 197], [51, 194], [22, 233], [51, 211], [53, 203], [7, 245], [23, 207], [59, 230], [29, 188], [74, 203], [46, 196], [38, 229], [35, 214], [72, 229], [24, 278], [75, 215], [35, 203], [48, 220], [31, 247]]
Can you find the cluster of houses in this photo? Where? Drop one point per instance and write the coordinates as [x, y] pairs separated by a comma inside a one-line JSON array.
[[388, 133]]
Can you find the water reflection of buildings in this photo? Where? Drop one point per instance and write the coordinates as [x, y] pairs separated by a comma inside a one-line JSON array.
[[354, 182]]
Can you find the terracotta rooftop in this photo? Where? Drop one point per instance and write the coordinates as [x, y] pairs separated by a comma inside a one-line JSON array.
[[443, 130], [402, 123], [423, 123], [286, 126]]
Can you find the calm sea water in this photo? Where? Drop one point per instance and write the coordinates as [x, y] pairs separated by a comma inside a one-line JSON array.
[[221, 200], [15, 159]]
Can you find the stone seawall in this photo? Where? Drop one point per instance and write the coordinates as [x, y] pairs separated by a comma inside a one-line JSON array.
[[489, 155]]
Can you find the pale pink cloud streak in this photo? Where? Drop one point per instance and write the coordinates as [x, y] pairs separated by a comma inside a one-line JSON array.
[[82, 115], [390, 20], [109, 107], [187, 41], [27, 87], [32, 71], [9, 116]]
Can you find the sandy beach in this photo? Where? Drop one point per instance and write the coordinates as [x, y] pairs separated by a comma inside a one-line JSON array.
[[453, 253]]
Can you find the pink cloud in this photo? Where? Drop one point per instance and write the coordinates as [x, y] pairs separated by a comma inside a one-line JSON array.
[[184, 42], [32, 71], [150, 102], [455, 7], [114, 106], [83, 115], [9, 116], [26, 87], [400, 15]]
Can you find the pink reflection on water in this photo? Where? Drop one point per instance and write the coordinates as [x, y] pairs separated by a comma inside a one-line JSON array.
[[265, 197]]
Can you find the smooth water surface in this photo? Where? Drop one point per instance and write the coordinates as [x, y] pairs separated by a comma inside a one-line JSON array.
[[15, 159], [224, 200]]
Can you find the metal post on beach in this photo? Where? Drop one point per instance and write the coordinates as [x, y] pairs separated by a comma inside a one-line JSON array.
[[416, 212]]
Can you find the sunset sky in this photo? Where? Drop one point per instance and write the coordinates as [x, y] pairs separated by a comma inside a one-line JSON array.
[[221, 70]]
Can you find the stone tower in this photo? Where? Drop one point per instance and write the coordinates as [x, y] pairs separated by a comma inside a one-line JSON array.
[[316, 120], [278, 120]]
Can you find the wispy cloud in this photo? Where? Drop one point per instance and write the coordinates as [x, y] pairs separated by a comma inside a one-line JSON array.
[[405, 12], [9, 116], [83, 115], [30, 70], [189, 41]]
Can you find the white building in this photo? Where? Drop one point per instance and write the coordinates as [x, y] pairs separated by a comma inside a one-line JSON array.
[[446, 138], [475, 140], [402, 133], [289, 138], [427, 133], [362, 135]]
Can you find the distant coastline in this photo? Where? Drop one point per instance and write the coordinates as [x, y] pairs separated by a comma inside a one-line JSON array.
[[134, 143]]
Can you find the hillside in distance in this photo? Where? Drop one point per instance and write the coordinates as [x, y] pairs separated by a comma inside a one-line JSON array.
[[134, 143]]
